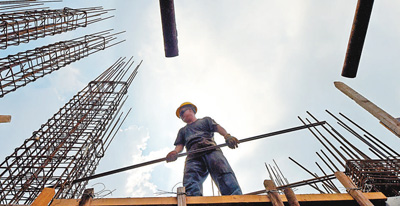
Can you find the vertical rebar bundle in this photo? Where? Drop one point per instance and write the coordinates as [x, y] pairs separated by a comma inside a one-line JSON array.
[[18, 4], [70, 145], [22, 68], [376, 175], [24, 26], [378, 172], [12, 6]]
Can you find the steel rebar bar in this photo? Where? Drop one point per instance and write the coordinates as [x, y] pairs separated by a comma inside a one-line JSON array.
[[24, 26], [25, 67]]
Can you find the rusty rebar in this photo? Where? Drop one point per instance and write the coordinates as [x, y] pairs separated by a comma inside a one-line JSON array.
[[24, 26], [312, 174], [119, 170], [70, 144], [326, 147], [375, 138], [334, 188], [19, 69], [345, 140]]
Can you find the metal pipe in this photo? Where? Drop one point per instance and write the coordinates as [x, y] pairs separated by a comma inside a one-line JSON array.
[[170, 33], [357, 38]]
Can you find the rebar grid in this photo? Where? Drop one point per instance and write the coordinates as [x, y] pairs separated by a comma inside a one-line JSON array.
[[22, 68], [379, 173], [24, 26], [70, 145], [18, 4], [376, 175]]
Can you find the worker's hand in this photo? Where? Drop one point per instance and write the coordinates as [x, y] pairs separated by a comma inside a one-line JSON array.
[[231, 141], [172, 156]]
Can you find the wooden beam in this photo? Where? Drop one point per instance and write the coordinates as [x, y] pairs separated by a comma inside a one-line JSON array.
[[181, 196], [390, 122], [291, 197], [310, 199], [87, 197], [351, 188], [273, 193], [44, 197], [5, 118]]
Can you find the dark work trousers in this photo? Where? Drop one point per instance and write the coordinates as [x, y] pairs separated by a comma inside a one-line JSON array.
[[215, 163]]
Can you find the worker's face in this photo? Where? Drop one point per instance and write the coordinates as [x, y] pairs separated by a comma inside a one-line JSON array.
[[186, 114]]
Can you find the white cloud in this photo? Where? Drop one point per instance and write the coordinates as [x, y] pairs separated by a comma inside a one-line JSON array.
[[66, 82], [139, 181]]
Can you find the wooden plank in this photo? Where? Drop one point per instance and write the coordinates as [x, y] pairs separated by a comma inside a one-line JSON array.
[[351, 189], [120, 201], [317, 199], [44, 197], [273, 193], [390, 122], [5, 118], [291, 197], [87, 197], [181, 196], [337, 197]]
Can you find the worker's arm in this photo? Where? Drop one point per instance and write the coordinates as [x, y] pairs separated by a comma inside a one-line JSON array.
[[221, 131], [179, 148], [173, 155], [229, 139]]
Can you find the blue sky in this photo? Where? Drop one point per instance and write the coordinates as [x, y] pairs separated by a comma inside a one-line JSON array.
[[253, 66]]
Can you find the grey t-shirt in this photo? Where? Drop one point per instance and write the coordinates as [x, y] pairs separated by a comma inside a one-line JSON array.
[[202, 130]]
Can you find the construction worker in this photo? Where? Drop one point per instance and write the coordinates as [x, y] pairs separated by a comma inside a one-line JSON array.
[[199, 133]]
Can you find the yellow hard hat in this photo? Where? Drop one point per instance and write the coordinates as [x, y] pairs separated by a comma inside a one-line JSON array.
[[185, 104]]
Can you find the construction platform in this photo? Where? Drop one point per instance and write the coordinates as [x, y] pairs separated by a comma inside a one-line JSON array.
[[342, 199]]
